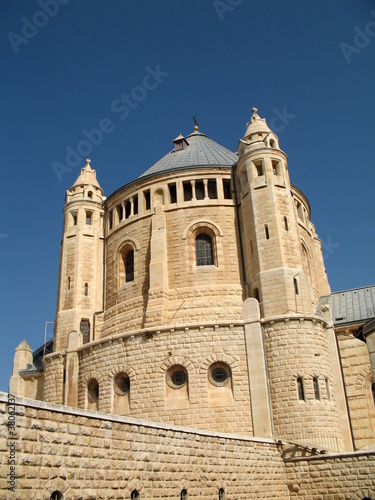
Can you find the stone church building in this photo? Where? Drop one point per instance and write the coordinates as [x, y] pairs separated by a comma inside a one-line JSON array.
[[198, 351]]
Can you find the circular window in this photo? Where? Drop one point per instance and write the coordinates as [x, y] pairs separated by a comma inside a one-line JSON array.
[[122, 384], [219, 374], [176, 377], [93, 390]]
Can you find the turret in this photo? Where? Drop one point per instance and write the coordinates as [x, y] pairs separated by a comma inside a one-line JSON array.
[[80, 285]]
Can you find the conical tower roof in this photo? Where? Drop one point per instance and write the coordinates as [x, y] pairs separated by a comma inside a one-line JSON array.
[[256, 125], [87, 176]]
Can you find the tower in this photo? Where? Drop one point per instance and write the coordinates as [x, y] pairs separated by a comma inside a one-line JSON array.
[[80, 283], [284, 271]]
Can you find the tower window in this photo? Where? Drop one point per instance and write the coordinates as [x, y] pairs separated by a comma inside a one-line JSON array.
[[272, 143], [188, 191], [227, 189], [295, 282], [129, 266], [267, 232], [256, 294], [84, 328], [212, 189], [300, 389], [88, 218], [286, 223], [204, 250], [221, 494], [147, 199], [86, 289], [316, 388], [135, 495], [373, 391], [172, 193], [184, 495], [251, 247], [127, 209], [89, 195], [219, 374], [56, 495], [275, 167], [68, 282], [259, 168]]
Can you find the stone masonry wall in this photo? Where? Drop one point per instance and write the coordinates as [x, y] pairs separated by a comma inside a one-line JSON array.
[[145, 358], [87, 455], [344, 477]]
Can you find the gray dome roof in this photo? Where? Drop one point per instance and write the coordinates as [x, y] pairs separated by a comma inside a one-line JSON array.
[[199, 150]]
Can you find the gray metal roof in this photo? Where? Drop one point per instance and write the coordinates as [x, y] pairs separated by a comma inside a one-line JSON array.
[[200, 151], [351, 306]]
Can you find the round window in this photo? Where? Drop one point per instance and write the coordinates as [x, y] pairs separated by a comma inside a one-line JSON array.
[[176, 377], [179, 378], [93, 390], [219, 374], [121, 384]]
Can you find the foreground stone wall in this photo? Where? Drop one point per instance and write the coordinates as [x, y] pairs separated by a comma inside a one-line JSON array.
[[345, 477], [88, 455]]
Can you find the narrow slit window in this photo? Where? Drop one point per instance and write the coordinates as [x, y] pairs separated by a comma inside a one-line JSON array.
[[286, 223], [275, 167], [267, 232], [184, 495], [259, 168], [316, 388], [68, 282], [120, 212], [300, 389], [135, 201], [251, 247], [86, 289], [221, 494], [84, 328], [256, 294], [295, 282], [88, 218]]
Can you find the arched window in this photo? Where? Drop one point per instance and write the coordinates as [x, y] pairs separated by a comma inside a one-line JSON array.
[[135, 495], [176, 377], [204, 250], [300, 389], [316, 388], [129, 266], [93, 390], [221, 494], [126, 265], [56, 495], [184, 495]]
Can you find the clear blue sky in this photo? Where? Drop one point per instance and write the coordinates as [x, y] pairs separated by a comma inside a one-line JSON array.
[[222, 57]]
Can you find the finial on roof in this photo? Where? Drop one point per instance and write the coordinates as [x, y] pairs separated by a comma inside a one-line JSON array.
[[195, 124], [88, 161], [255, 113]]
